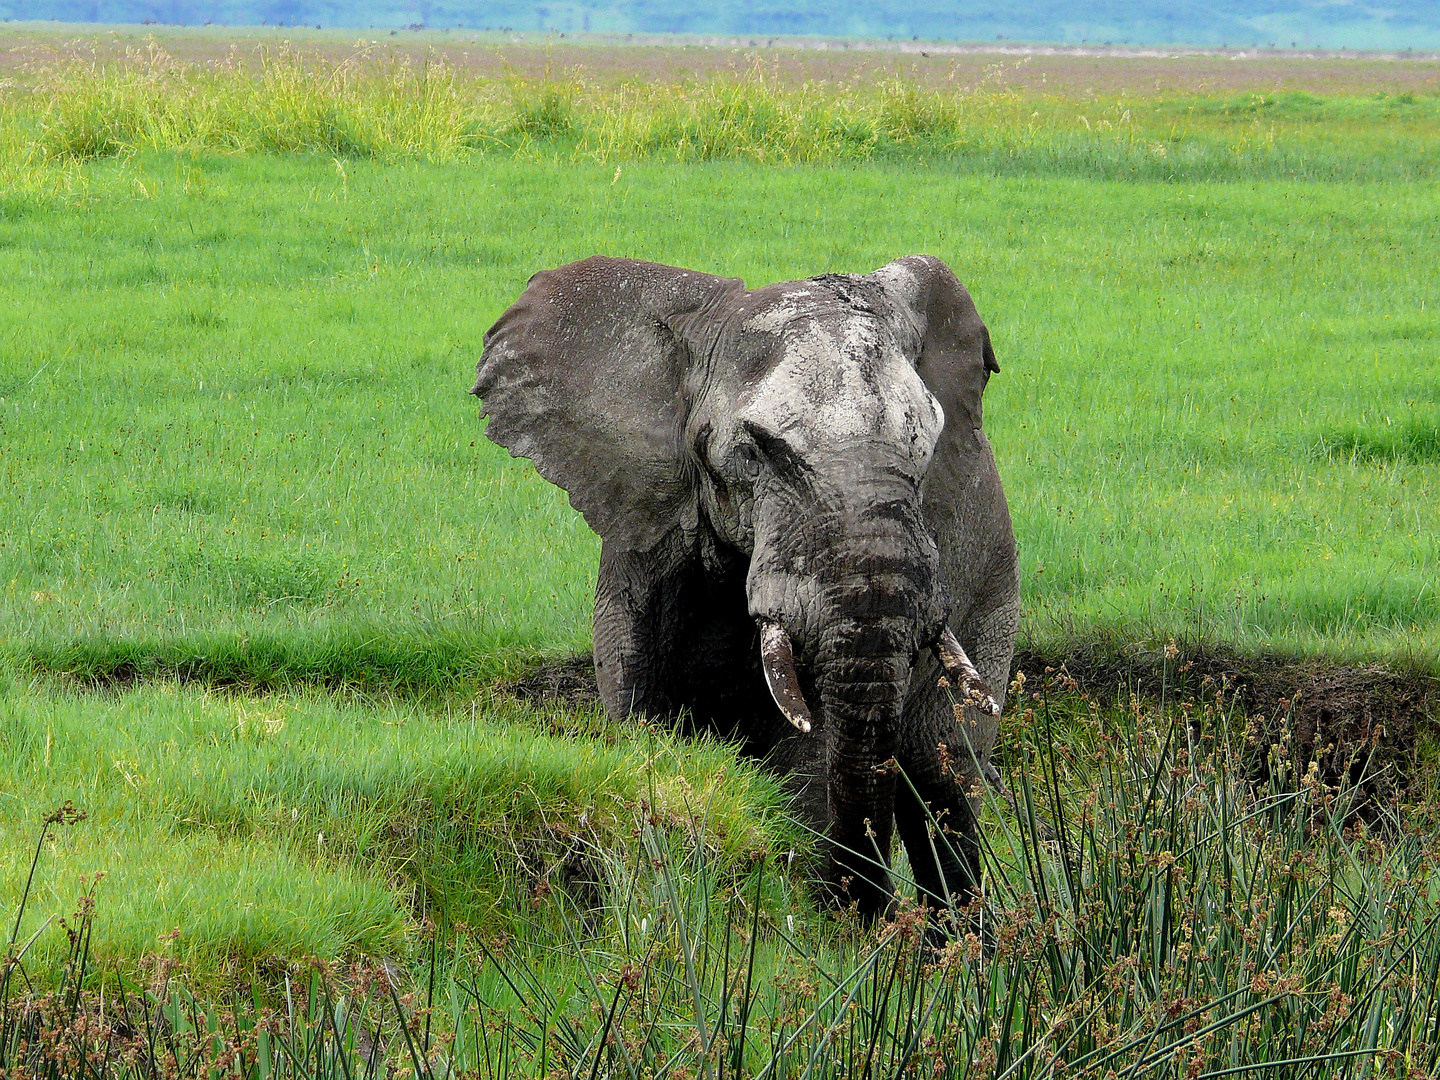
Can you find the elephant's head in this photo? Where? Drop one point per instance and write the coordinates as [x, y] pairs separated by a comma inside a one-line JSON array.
[[823, 433]]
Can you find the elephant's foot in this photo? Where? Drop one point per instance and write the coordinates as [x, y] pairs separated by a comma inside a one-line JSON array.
[[854, 880]]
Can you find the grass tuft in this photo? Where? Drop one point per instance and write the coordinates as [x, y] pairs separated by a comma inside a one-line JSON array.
[[297, 824], [1414, 441]]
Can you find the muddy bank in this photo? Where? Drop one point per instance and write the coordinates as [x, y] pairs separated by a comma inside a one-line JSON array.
[[1361, 722]]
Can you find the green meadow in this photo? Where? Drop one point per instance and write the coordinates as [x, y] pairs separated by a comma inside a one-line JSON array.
[[262, 577], [237, 439]]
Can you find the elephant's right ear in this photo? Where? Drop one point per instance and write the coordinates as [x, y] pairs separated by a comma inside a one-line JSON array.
[[583, 376]]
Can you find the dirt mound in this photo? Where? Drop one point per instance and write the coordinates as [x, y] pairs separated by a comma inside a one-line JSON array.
[[569, 680]]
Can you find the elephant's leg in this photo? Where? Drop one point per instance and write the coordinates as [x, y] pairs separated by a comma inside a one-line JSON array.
[[673, 636], [933, 813], [938, 819], [640, 616]]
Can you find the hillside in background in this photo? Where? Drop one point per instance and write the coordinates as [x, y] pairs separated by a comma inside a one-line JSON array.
[[1284, 24]]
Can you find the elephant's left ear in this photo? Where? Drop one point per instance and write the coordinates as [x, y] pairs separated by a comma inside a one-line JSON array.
[[964, 499], [953, 352], [585, 377]]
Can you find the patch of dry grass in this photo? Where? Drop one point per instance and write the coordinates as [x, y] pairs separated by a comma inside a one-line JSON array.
[[389, 105]]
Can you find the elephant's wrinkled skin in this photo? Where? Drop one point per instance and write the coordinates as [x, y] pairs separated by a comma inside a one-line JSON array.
[[803, 463]]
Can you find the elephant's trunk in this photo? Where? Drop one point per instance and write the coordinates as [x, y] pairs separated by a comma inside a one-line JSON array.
[[853, 594], [865, 674]]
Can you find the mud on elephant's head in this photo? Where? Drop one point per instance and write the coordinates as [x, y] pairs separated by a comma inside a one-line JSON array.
[[810, 450]]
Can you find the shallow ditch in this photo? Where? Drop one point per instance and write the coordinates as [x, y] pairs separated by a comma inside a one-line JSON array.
[[1364, 724]]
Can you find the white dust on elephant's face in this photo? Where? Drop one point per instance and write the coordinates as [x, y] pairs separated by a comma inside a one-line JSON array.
[[835, 413], [841, 383], [822, 462]]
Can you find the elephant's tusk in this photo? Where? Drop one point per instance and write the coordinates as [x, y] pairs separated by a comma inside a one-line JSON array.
[[777, 656], [962, 673]]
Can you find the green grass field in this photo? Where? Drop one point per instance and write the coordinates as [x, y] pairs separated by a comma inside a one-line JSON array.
[[260, 570], [236, 435]]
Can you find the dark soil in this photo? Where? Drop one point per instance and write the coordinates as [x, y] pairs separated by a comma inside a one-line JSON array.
[[1363, 722], [569, 681]]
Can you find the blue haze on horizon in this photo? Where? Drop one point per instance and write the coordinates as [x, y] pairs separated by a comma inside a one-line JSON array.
[[1283, 24]]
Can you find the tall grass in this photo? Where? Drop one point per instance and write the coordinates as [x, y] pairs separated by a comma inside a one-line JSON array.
[[283, 105], [282, 101], [1148, 912]]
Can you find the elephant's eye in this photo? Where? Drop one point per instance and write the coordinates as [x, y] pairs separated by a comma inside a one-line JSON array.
[[747, 461]]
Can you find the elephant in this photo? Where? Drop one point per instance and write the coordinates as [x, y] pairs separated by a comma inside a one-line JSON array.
[[804, 538]]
